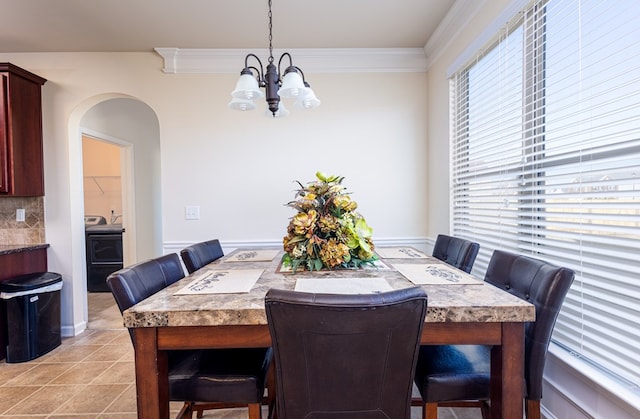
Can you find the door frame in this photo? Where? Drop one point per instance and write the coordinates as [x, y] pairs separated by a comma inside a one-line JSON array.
[[128, 190]]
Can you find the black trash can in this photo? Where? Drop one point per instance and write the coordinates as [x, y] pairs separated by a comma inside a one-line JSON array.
[[31, 304]]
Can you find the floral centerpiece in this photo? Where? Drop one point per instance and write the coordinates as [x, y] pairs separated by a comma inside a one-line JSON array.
[[326, 232]]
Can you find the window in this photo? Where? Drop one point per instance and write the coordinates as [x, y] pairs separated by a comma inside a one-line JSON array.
[[545, 127]]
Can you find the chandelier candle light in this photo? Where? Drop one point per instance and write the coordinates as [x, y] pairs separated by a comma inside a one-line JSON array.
[[291, 85]]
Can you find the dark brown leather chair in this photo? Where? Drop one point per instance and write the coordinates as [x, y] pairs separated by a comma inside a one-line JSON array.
[[347, 356], [459, 375], [199, 254], [455, 251], [203, 379]]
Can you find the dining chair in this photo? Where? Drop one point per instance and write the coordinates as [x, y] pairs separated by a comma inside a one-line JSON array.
[[199, 254], [203, 379], [457, 252], [347, 356], [459, 375]]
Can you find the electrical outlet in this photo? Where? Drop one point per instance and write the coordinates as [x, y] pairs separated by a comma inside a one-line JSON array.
[[20, 215], [192, 212]]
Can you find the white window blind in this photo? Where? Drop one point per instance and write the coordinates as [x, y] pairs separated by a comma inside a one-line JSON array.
[[545, 127]]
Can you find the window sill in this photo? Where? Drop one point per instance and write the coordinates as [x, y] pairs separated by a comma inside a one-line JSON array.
[[618, 392]]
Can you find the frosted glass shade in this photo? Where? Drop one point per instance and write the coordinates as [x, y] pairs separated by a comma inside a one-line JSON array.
[[292, 85], [247, 88], [280, 113], [241, 104], [307, 100]]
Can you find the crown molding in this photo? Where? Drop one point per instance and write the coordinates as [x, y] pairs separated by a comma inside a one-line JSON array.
[[488, 33], [321, 60], [453, 23], [332, 60]]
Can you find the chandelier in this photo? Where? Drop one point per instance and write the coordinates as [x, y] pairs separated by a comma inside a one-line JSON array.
[[291, 84]]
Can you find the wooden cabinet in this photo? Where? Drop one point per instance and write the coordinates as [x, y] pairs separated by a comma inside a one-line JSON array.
[[21, 167]]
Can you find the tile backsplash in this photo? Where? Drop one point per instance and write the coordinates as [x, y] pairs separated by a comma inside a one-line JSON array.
[[31, 231]]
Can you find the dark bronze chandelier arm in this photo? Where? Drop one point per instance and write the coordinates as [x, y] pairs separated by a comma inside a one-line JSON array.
[[285, 54], [291, 67], [260, 71], [304, 81]]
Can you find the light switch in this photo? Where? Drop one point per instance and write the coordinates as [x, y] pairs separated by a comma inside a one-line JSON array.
[[20, 214], [191, 212]]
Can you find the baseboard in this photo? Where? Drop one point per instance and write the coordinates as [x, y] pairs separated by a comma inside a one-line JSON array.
[[69, 331]]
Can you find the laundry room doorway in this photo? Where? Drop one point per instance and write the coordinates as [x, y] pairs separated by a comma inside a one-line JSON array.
[[104, 166], [107, 206]]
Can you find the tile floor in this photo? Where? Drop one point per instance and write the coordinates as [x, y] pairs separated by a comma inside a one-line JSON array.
[[91, 376]]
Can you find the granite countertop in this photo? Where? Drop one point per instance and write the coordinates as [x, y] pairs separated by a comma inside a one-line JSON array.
[[449, 303], [6, 249]]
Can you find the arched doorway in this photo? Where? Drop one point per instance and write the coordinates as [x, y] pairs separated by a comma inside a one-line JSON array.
[[135, 126]]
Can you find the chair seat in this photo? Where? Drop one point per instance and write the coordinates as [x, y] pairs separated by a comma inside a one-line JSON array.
[[453, 372], [220, 375]]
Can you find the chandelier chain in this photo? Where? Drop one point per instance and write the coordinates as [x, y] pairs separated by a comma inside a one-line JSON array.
[[270, 34]]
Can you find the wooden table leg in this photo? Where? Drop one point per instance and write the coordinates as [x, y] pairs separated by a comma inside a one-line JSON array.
[[152, 383], [507, 373]]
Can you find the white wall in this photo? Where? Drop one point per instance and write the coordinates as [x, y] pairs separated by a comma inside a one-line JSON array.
[[438, 113], [102, 181], [238, 167]]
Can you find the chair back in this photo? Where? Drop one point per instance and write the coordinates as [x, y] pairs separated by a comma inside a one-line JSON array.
[[345, 356], [199, 254], [134, 283], [455, 251], [545, 286]]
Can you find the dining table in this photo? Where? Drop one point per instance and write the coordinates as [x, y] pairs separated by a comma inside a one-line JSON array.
[[206, 310]]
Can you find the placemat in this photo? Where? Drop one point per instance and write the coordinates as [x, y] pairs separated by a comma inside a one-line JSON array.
[[263, 255], [343, 285], [435, 274], [400, 253], [222, 282]]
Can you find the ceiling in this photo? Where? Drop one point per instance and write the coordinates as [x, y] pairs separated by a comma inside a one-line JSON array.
[[142, 25]]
